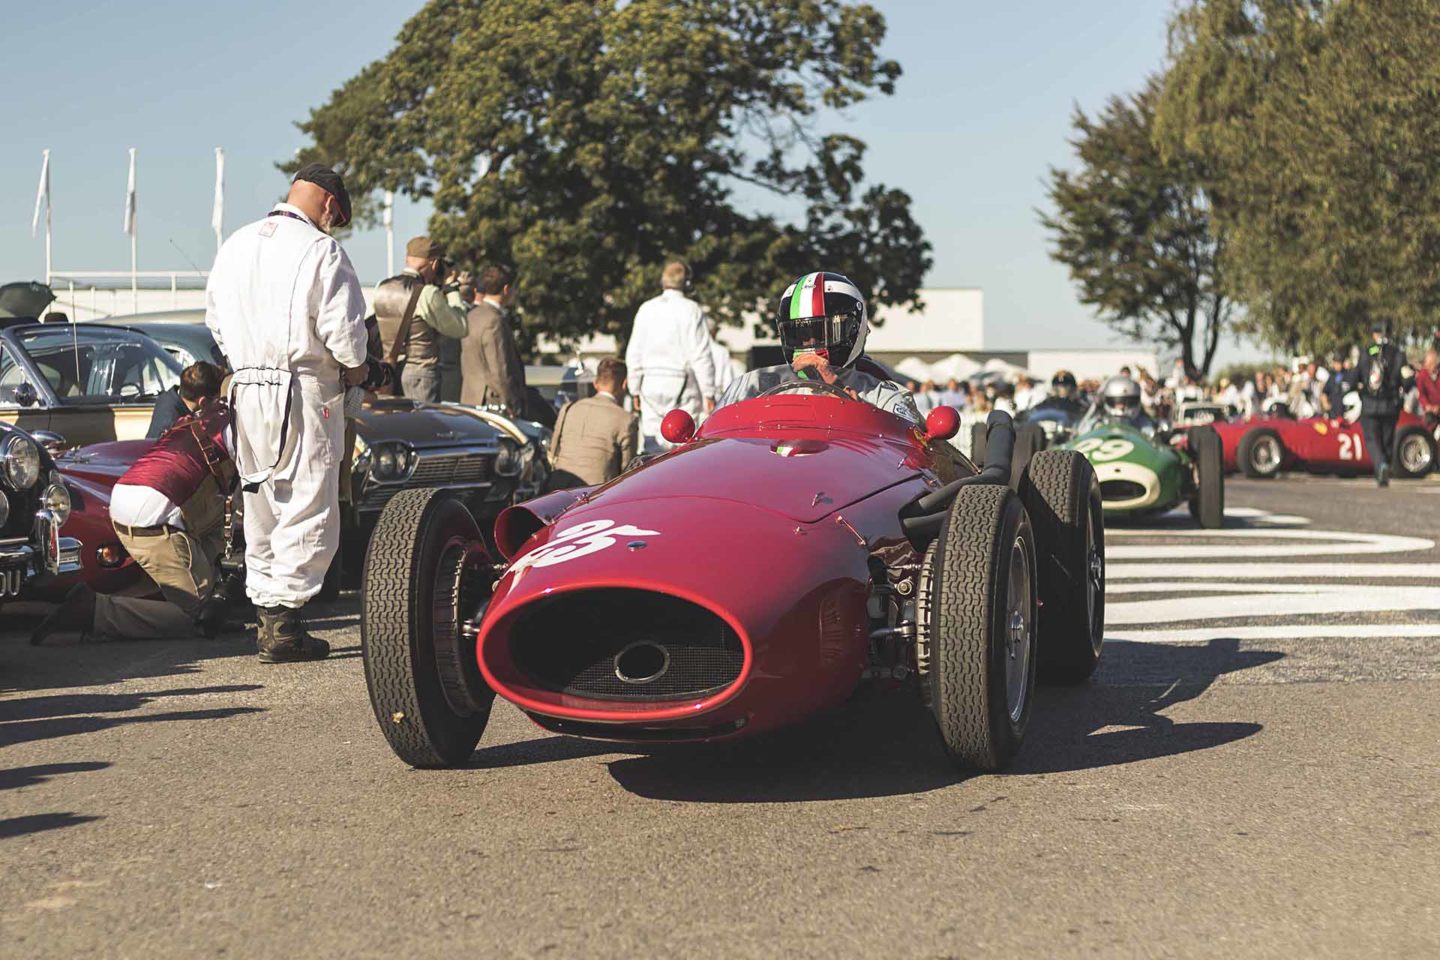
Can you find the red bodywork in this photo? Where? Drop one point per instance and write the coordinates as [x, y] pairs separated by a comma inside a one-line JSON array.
[[1316, 444], [767, 519], [90, 473]]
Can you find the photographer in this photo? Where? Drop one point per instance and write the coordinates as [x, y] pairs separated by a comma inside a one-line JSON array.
[[417, 317]]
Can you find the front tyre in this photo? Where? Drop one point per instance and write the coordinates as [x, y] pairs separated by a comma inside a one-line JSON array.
[[1208, 506], [979, 628], [425, 570], [1062, 496]]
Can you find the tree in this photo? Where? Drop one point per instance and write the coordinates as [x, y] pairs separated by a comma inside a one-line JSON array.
[[1318, 121], [584, 141], [1136, 231]]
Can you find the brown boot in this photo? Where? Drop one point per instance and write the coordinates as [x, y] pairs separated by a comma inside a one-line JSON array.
[[283, 638], [76, 613]]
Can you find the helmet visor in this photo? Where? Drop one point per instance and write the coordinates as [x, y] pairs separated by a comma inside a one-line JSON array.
[[831, 337]]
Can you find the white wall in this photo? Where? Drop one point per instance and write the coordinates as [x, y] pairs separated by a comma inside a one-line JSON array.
[[1091, 364]]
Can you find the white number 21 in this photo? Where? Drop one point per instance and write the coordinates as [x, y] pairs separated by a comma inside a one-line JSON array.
[[1351, 447]]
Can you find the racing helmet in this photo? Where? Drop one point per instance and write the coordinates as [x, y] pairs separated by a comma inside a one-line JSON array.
[[1120, 397], [1063, 385], [823, 313]]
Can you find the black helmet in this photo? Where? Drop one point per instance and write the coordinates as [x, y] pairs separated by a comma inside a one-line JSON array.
[[823, 313], [1063, 384]]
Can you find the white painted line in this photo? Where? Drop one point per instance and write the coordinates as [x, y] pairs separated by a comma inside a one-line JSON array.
[[1270, 571], [1328, 599], [1314, 545], [1254, 586], [1288, 631]]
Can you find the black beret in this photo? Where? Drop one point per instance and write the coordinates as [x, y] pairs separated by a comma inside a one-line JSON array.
[[329, 181]]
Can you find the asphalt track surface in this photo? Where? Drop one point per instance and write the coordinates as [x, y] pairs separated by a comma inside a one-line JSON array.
[[1253, 772]]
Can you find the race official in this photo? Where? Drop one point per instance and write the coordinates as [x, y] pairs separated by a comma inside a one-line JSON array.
[[425, 321], [669, 357], [491, 373], [286, 308], [595, 437], [168, 510], [1380, 378]]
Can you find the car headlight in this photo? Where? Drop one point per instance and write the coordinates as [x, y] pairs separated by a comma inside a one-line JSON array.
[[391, 462], [507, 461], [22, 462], [4, 508], [57, 501]]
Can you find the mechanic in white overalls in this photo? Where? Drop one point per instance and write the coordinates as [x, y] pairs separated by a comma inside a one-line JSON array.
[[669, 357], [286, 309]]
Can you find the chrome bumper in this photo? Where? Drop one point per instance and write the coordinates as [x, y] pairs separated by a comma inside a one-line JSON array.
[[48, 551]]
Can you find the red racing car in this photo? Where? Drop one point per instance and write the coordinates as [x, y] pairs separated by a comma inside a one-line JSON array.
[[800, 543], [1262, 447]]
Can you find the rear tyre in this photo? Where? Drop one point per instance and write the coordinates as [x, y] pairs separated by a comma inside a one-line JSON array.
[[424, 572], [979, 632], [1261, 454], [1062, 496], [1414, 453], [1029, 440], [1208, 506]]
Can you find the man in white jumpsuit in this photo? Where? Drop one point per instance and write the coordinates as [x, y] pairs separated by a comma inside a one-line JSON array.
[[286, 309], [720, 355], [669, 357]]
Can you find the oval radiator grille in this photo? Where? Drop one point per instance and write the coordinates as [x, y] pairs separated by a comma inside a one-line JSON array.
[[570, 644]]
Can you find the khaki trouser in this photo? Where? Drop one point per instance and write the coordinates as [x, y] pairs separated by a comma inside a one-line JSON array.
[[181, 562]]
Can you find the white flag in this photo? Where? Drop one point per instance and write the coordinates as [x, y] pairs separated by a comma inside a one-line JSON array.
[[217, 213], [130, 198], [388, 218], [42, 195]]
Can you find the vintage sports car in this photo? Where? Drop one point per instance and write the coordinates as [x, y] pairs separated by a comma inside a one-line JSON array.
[[798, 544], [1145, 470], [1262, 447], [35, 502], [73, 384]]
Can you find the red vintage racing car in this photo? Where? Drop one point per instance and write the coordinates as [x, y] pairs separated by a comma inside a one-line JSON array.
[[799, 543], [1262, 447]]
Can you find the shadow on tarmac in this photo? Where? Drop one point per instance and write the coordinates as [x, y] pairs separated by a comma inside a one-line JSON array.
[[883, 743]]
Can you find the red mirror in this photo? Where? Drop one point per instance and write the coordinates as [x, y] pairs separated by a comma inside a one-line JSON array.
[[678, 427], [942, 423]]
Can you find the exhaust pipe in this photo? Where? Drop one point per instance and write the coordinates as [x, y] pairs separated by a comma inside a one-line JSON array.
[[641, 662]]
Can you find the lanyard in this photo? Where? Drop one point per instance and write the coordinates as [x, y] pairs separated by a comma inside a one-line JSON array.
[[292, 216]]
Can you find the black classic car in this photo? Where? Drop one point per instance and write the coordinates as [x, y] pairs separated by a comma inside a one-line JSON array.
[[34, 505], [490, 459]]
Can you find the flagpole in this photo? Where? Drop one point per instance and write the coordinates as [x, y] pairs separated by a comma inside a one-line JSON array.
[[130, 224], [389, 233], [217, 214]]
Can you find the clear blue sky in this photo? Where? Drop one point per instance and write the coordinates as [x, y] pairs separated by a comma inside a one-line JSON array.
[[982, 109]]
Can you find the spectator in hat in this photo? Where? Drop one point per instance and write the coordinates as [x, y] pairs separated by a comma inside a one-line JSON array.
[[416, 317]]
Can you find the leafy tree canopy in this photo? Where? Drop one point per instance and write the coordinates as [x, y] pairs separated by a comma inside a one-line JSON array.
[[584, 141], [1318, 120], [1136, 230]]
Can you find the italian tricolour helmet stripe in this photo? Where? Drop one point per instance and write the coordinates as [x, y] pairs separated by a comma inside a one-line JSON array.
[[807, 296]]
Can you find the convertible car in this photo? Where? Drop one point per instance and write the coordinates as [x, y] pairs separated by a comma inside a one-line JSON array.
[[1145, 469], [798, 544], [1262, 447]]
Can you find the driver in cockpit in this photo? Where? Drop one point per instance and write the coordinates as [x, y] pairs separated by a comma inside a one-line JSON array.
[[822, 323], [1120, 401]]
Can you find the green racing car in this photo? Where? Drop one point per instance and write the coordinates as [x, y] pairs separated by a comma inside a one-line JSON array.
[[1144, 468]]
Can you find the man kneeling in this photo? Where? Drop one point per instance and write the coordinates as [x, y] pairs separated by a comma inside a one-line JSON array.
[[169, 511]]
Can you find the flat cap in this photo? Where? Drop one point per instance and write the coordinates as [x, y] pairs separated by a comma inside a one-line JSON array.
[[424, 248], [329, 181]]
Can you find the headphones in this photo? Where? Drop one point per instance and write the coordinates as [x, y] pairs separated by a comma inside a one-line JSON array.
[[689, 274]]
